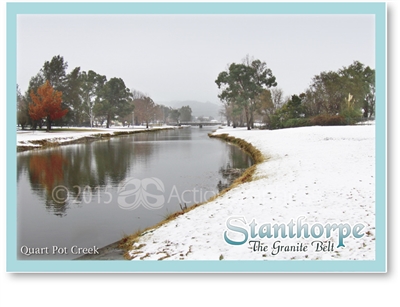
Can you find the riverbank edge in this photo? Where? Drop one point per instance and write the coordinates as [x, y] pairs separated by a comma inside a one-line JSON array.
[[47, 143], [127, 243]]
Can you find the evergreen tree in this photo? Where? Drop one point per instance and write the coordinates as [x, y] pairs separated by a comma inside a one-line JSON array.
[[241, 85], [114, 101]]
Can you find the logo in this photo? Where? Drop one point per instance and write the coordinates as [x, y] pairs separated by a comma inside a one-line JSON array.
[[133, 193], [239, 232]]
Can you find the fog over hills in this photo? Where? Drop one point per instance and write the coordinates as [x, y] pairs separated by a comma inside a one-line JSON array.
[[206, 109]]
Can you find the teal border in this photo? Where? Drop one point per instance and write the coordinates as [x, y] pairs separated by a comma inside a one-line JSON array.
[[378, 9]]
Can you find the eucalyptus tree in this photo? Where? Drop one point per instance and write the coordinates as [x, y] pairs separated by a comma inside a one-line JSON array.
[[360, 83], [241, 84], [329, 91]]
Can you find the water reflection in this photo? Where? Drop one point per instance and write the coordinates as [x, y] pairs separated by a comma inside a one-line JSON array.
[[77, 167], [46, 171], [230, 174], [84, 168], [182, 161]]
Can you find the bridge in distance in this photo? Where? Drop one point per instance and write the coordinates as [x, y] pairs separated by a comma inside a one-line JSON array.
[[200, 124]]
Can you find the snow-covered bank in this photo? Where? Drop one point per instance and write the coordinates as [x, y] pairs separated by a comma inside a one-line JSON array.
[[316, 175], [32, 139]]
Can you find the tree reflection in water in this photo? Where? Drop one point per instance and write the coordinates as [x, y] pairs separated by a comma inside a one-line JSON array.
[[80, 169], [45, 173]]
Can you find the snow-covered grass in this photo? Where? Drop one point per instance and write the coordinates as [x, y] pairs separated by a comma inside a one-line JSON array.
[[324, 174], [57, 136]]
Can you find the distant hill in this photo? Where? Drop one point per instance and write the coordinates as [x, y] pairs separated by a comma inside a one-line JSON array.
[[206, 109]]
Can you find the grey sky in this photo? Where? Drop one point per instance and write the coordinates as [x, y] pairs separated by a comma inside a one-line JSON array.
[[178, 57]]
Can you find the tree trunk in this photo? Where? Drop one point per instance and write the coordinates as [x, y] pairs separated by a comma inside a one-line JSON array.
[[366, 111], [108, 120], [246, 110], [48, 123], [251, 118]]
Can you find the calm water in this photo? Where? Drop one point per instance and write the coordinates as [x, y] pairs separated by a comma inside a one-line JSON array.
[[93, 194]]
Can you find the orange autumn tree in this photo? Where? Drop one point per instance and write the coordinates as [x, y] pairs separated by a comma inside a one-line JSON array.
[[46, 104]]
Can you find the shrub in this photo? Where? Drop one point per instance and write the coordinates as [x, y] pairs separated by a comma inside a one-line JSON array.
[[275, 122], [351, 116], [347, 117], [296, 122], [327, 120]]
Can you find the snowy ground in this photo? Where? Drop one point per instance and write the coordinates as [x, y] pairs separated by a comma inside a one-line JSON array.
[[324, 174], [30, 138]]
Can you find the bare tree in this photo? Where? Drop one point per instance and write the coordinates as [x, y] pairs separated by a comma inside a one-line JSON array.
[[277, 97], [145, 110]]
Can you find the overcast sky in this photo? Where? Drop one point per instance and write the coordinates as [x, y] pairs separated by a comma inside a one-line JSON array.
[[178, 57]]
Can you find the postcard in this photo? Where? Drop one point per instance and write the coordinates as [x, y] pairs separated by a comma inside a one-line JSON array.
[[196, 137]]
